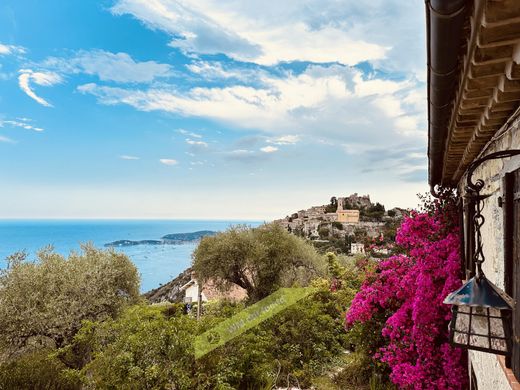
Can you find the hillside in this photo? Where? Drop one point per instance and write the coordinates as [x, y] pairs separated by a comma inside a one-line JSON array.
[[346, 224]]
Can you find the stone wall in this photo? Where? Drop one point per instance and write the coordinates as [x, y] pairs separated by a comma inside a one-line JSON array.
[[488, 372]]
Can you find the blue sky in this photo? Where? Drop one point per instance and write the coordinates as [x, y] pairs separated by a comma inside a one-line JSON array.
[[208, 109]]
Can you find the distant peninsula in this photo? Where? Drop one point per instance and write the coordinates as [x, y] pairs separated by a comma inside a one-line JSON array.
[[168, 239]]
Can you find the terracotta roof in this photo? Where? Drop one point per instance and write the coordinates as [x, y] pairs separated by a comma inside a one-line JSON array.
[[487, 88]]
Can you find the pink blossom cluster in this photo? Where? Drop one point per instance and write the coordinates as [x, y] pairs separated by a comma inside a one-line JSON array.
[[411, 288]]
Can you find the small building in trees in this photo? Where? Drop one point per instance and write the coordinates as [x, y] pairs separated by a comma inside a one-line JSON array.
[[357, 248], [210, 292]]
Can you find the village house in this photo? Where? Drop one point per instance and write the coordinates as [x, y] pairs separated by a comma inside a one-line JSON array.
[[210, 292], [357, 248], [474, 130]]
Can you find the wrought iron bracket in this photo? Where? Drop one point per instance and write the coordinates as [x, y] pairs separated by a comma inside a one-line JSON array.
[[473, 189]]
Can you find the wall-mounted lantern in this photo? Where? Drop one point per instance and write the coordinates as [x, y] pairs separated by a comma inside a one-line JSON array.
[[481, 312]]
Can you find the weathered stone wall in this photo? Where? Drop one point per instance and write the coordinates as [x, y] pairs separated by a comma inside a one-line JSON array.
[[487, 370]]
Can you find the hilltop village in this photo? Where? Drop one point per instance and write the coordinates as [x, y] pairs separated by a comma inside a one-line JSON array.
[[347, 224]]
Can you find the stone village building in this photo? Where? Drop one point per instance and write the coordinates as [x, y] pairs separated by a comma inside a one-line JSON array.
[[474, 97], [308, 222]]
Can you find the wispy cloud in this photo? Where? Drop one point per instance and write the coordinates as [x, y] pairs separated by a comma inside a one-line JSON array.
[[243, 33], [107, 66], [191, 30], [168, 161], [28, 76], [188, 133], [11, 49], [21, 122], [214, 70], [285, 140], [323, 101], [7, 140], [127, 157], [247, 156], [269, 149], [196, 143]]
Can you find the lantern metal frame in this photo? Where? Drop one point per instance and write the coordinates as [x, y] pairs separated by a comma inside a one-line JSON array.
[[478, 298]]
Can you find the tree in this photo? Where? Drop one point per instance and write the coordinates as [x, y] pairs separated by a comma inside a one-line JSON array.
[[260, 260], [332, 206], [147, 347], [43, 303]]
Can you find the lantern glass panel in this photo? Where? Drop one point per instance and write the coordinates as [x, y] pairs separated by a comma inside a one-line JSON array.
[[479, 321], [460, 338], [462, 322], [499, 345], [479, 341], [497, 327]]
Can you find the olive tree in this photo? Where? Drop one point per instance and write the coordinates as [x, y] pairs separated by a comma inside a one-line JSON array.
[[43, 302], [259, 260]]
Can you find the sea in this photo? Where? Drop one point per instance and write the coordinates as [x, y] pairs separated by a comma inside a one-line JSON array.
[[157, 264]]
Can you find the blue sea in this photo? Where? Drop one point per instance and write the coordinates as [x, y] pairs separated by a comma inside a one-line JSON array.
[[157, 264]]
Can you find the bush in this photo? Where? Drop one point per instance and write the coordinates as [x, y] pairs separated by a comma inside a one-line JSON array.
[[337, 225], [144, 349], [37, 370], [44, 302], [323, 232]]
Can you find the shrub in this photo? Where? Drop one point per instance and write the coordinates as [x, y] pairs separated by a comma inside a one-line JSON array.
[[323, 232], [337, 225], [44, 302], [144, 349], [405, 297], [37, 370]]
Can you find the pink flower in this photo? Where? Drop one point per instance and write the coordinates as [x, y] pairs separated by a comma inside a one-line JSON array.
[[412, 287]]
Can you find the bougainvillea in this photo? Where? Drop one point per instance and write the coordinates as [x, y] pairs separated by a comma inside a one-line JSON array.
[[410, 287]]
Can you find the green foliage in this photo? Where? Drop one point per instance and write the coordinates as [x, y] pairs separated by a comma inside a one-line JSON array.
[[332, 207], [260, 260], [42, 303], [324, 232], [360, 234], [37, 370], [337, 225], [81, 304], [144, 349], [391, 213]]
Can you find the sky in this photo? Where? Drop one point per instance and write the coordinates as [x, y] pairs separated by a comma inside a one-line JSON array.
[[209, 109]]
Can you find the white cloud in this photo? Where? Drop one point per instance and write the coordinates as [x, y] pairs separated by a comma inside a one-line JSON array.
[[285, 140], [168, 161], [269, 149], [325, 102], [127, 157], [218, 71], [28, 76], [11, 49], [195, 31], [21, 122], [252, 32], [196, 143], [189, 133], [7, 140], [118, 67]]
